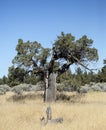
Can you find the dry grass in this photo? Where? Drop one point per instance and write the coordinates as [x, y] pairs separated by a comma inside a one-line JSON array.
[[87, 114]]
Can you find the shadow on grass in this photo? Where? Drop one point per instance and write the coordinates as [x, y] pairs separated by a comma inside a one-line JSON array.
[[75, 98], [23, 97], [71, 98]]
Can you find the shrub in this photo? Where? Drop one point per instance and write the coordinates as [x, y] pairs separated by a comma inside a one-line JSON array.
[[17, 89], [61, 96], [68, 85], [60, 87], [84, 89], [102, 86], [39, 86], [4, 88], [2, 91], [96, 88]]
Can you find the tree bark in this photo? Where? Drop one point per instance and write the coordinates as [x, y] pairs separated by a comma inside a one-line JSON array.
[[50, 88]]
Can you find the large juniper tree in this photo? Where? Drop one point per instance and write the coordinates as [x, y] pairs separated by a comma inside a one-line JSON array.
[[50, 63]]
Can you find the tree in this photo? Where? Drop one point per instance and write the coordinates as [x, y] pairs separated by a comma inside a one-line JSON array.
[[102, 74], [3, 80], [15, 76], [50, 63]]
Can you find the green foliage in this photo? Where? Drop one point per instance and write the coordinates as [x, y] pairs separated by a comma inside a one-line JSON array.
[[30, 55], [67, 82], [63, 46], [81, 77], [33, 57], [33, 60], [65, 76], [66, 47], [4, 80], [30, 60], [31, 79], [102, 74], [15, 76]]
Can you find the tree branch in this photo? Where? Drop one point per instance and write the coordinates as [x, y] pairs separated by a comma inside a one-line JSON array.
[[64, 68], [79, 62]]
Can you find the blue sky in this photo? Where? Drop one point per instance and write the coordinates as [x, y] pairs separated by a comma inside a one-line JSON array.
[[44, 20]]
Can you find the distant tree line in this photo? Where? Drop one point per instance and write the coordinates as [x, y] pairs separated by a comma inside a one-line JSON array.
[[67, 80]]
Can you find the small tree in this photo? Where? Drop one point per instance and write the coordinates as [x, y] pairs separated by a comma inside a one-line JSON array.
[[50, 63], [4, 80], [102, 74], [15, 76]]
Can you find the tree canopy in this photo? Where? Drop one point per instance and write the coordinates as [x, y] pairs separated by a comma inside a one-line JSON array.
[[66, 50]]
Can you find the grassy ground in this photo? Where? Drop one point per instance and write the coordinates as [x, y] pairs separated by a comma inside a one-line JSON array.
[[88, 113]]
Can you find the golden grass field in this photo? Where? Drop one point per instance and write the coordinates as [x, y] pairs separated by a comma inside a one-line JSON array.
[[88, 113]]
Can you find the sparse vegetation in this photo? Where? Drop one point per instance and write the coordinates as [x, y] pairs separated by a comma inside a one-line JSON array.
[[101, 87], [87, 114]]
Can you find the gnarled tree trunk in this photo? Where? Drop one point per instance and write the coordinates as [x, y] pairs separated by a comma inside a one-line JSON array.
[[50, 88]]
